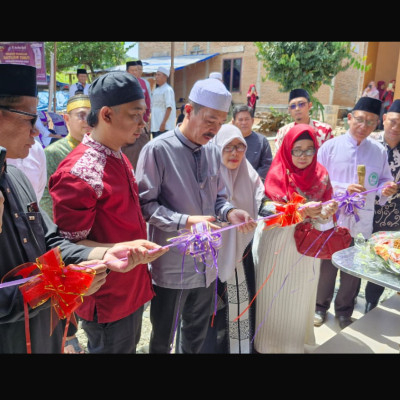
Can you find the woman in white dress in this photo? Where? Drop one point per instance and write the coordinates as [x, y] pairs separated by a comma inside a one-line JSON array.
[[236, 284], [285, 306]]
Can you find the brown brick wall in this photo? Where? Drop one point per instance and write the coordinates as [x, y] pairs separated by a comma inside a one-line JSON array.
[[344, 94]]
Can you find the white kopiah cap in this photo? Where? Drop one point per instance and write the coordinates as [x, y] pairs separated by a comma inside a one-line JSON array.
[[164, 70], [211, 93], [216, 75]]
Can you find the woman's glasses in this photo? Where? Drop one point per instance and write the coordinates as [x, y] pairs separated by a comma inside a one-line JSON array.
[[240, 148], [299, 153]]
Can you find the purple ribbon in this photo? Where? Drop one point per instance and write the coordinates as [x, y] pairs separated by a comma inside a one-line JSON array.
[[349, 203]]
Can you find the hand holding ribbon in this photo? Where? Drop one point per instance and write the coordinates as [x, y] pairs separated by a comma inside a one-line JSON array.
[[199, 242], [242, 218]]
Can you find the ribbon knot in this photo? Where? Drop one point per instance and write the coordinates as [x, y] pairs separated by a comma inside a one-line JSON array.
[[199, 242], [51, 279], [288, 212], [349, 203]]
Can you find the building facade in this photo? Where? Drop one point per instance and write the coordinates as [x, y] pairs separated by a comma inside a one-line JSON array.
[[238, 64]]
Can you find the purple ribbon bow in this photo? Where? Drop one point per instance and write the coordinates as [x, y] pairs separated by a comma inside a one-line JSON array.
[[349, 203], [200, 243]]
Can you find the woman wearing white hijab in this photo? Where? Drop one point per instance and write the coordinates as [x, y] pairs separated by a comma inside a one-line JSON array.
[[245, 191]]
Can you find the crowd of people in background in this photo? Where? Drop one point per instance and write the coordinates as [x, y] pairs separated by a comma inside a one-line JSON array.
[[129, 174]]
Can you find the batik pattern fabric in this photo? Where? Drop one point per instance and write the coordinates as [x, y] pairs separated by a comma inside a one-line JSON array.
[[387, 216]]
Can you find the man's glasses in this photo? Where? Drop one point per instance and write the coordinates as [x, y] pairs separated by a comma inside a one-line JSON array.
[[393, 122], [80, 115], [33, 116], [299, 153], [368, 122], [300, 105], [240, 148]]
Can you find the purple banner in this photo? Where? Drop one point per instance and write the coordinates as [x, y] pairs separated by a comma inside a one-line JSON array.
[[26, 53]]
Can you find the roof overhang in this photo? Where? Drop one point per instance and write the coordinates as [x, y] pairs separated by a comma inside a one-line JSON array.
[[150, 65]]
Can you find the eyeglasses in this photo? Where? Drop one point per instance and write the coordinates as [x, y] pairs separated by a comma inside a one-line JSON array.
[[80, 115], [299, 153], [362, 121], [300, 105], [393, 122], [239, 148], [34, 116]]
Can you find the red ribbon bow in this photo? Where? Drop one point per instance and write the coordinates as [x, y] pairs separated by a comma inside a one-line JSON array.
[[288, 212], [64, 285]]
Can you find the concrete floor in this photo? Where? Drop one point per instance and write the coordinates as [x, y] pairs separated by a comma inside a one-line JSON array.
[[331, 327]]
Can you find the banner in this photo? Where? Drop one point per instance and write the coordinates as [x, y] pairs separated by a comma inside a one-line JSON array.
[[26, 53]]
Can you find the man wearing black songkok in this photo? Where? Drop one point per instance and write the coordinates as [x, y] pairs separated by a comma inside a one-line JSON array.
[[95, 200], [80, 87], [299, 109]]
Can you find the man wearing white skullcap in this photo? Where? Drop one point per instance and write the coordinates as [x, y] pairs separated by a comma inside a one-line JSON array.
[[163, 108], [180, 185], [216, 75]]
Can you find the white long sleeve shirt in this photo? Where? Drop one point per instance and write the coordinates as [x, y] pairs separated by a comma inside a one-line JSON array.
[[340, 156], [34, 167]]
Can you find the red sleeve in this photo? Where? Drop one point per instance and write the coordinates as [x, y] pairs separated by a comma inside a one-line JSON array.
[[74, 205]]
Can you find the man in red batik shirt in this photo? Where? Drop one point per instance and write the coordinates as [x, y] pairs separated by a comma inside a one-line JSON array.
[[95, 200]]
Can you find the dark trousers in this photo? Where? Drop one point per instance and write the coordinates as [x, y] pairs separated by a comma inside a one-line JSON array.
[[216, 340], [168, 306], [373, 292], [119, 337], [346, 295]]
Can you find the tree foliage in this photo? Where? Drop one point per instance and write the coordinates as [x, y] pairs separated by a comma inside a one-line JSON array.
[[89, 55], [306, 65]]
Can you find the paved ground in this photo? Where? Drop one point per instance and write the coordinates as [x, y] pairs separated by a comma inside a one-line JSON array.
[[331, 326], [322, 333]]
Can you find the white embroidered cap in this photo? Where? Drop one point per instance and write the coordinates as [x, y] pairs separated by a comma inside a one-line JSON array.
[[211, 93]]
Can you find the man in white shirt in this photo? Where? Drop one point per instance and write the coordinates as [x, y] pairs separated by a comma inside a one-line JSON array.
[[34, 167], [341, 156], [81, 86], [163, 107]]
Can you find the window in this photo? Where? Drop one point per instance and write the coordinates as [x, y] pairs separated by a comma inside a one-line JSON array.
[[232, 70], [196, 50]]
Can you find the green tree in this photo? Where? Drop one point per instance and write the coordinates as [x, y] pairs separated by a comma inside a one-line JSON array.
[[90, 55], [306, 65]]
